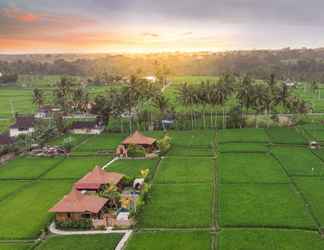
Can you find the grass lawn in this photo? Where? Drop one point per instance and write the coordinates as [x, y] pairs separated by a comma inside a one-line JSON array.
[[315, 131], [242, 147], [193, 137], [263, 205], [132, 168], [285, 135], [81, 242], [170, 241], [105, 141], [249, 239], [27, 211], [299, 161], [185, 170], [250, 168], [312, 188], [7, 187], [27, 167], [178, 205], [15, 246], [242, 135], [191, 151], [77, 167]]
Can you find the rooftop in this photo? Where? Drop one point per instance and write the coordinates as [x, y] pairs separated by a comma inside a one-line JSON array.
[[96, 178], [137, 138], [84, 125], [24, 122], [75, 202]]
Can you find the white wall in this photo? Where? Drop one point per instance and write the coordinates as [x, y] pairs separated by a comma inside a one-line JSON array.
[[14, 132], [87, 131]]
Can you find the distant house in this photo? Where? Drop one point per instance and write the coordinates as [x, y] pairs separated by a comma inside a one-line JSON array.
[[5, 140], [46, 111], [24, 126], [289, 83], [137, 138], [87, 127], [97, 178], [76, 206], [151, 79]]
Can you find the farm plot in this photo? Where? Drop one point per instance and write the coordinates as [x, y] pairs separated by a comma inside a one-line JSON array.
[[7, 187], [73, 139], [185, 170], [27, 167], [242, 135], [314, 131], [132, 168], [193, 137], [27, 211], [312, 189], [170, 241], [285, 136], [15, 246], [250, 239], [233, 147], [263, 205], [299, 161], [178, 205], [250, 168], [81, 242], [191, 151], [103, 142], [76, 167]]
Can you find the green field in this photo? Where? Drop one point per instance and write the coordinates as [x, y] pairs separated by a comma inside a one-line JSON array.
[[249, 239], [132, 168], [248, 147], [259, 205], [82, 242], [27, 211], [170, 241], [27, 167], [299, 161], [186, 170], [285, 136], [171, 206], [250, 168], [9, 186], [242, 135], [76, 167], [15, 246]]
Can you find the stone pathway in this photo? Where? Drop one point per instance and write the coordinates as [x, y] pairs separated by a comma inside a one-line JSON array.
[[111, 162]]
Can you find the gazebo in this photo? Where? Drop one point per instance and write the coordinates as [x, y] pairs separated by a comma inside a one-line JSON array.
[[137, 138]]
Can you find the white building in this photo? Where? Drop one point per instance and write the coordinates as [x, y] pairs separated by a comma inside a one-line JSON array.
[[23, 126], [87, 127], [46, 111]]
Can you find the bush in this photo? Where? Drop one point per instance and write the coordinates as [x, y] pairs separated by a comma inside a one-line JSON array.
[[164, 144], [128, 181], [136, 151], [83, 224]]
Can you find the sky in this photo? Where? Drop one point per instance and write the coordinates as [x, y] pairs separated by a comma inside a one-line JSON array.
[[104, 26]]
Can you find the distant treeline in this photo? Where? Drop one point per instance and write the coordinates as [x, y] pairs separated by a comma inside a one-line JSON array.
[[297, 64]]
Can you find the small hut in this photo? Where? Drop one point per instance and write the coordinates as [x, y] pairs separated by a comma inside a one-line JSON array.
[[137, 138]]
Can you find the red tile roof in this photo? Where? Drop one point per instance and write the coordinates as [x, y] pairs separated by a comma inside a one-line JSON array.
[[139, 139], [97, 177], [75, 202]]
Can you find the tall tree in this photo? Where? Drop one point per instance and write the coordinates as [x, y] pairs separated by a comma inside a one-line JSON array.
[[38, 97]]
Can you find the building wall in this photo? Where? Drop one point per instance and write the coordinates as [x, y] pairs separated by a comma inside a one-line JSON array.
[[14, 132], [87, 131]]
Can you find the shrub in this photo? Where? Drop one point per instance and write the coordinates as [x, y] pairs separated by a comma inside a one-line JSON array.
[[136, 151], [83, 224], [164, 144]]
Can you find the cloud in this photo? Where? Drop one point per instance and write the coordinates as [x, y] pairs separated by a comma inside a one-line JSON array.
[[19, 15], [149, 34]]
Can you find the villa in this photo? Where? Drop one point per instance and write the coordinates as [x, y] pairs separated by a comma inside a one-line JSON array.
[[24, 126], [76, 206], [87, 127], [97, 178], [46, 111]]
